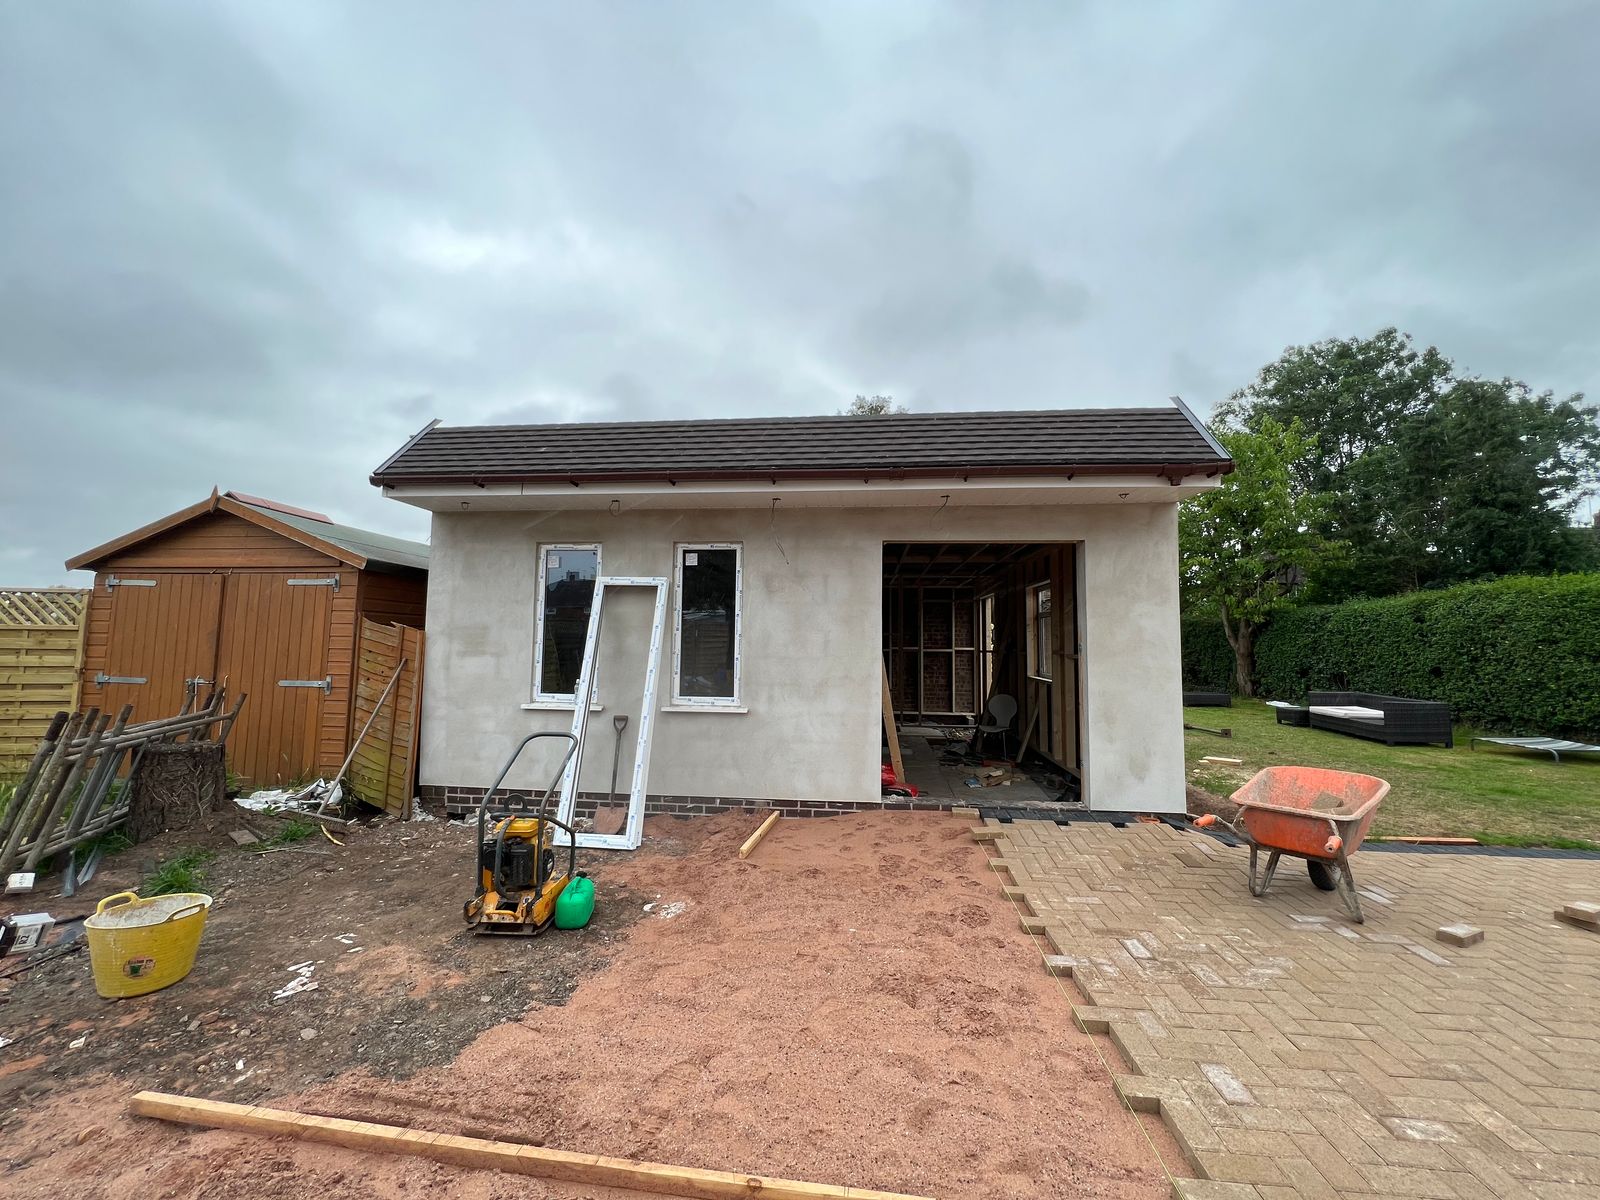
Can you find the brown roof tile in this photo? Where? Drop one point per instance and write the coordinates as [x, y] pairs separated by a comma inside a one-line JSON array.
[[1035, 442]]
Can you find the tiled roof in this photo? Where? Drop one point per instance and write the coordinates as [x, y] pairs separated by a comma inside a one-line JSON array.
[[1038, 442]]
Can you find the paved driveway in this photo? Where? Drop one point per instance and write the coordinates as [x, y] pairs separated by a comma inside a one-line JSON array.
[[1296, 1055]]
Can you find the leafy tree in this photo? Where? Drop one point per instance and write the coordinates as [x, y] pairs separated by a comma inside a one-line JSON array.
[[1491, 475], [1246, 546], [1429, 478], [873, 406]]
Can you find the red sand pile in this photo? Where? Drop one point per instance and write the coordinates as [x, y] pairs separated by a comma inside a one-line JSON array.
[[854, 1004]]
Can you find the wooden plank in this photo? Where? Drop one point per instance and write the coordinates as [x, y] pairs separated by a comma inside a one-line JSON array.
[[1027, 736], [754, 840], [589, 1170], [895, 760]]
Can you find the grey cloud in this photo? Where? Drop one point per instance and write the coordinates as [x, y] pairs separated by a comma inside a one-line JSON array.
[[260, 245]]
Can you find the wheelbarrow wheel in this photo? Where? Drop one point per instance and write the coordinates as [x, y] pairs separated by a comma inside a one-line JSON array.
[[1321, 875]]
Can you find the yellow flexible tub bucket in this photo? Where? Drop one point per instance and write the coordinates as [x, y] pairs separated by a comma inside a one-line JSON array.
[[138, 946]]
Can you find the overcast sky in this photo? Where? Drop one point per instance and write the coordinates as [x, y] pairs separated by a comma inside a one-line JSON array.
[[259, 244]]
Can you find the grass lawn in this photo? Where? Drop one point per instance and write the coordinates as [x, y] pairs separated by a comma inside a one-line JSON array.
[[1491, 794]]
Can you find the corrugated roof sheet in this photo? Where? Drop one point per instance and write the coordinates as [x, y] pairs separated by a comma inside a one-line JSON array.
[[374, 547], [1035, 442]]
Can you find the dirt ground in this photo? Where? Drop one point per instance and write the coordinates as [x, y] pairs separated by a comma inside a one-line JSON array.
[[855, 1004]]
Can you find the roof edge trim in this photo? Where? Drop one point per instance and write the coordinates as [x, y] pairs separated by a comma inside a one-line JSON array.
[[1203, 430], [410, 442]]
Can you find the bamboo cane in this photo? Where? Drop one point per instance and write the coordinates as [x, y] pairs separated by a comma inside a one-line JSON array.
[[52, 815], [94, 790], [19, 798], [43, 788], [141, 730]]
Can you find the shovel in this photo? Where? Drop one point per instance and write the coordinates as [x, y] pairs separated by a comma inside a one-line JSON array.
[[619, 723]]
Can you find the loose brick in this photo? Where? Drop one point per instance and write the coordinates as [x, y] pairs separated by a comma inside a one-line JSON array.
[[1561, 914], [1459, 935]]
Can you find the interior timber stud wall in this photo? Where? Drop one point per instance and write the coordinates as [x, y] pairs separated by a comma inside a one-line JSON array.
[[929, 629], [930, 635], [1056, 701], [222, 598]]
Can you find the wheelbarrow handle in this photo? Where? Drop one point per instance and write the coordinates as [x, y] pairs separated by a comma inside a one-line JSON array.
[[1210, 820], [1335, 842]]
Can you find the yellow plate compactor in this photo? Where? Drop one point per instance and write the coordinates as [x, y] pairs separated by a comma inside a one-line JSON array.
[[518, 884]]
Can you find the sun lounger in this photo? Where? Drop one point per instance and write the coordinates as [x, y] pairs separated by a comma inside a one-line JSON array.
[[1554, 747], [1393, 720]]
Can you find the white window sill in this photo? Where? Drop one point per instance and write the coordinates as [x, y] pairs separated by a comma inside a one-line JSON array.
[[705, 708], [559, 706]]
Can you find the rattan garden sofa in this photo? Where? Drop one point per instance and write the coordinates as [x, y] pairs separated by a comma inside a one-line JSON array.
[[1392, 720]]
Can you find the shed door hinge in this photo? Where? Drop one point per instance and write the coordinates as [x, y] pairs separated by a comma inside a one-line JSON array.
[[101, 678], [325, 684], [328, 581], [113, 581]]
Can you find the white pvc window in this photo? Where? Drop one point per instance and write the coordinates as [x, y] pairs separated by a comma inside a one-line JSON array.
[[1039, 630], [708, 584], [566, 594]]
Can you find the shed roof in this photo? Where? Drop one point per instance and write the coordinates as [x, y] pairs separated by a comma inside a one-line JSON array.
[[374, 547], [1163, 441], [359, 548]]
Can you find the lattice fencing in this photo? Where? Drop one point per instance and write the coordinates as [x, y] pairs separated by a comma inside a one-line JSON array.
[[41, 650]]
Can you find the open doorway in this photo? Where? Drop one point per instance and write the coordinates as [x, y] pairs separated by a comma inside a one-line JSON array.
[[966, 628]]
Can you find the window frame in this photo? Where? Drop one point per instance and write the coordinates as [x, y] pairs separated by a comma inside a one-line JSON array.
[[679, 700], [1033, 616], [538, 695]]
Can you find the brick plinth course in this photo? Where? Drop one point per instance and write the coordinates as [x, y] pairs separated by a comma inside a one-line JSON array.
[[457, 801], [1295, 1055]]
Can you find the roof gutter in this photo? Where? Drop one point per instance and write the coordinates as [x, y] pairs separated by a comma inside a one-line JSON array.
[[1172, 472]]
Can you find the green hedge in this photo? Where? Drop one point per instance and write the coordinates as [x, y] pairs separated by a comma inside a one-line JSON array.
[[1207, 657], [1518, 655]]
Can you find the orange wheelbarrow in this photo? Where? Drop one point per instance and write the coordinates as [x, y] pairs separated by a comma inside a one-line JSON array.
[[1310, 813]]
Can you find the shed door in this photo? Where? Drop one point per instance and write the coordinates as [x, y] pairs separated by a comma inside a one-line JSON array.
[[163, 632], [275, 647]]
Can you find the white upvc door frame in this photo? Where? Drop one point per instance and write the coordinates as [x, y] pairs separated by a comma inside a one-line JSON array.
[[633, 832]]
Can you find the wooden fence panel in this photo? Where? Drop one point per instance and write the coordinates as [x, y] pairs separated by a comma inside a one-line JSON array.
[[385, 765], [41, 648]]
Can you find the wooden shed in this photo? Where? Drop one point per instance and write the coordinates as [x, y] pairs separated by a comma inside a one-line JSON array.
[[263, 597]]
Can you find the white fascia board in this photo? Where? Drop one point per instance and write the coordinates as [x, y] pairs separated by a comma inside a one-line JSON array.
[[819, 493]]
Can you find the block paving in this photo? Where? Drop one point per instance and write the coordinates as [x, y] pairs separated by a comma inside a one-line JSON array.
[[1297, 1055]]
